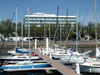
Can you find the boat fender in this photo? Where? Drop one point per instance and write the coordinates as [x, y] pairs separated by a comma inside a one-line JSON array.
[[41, 48], [93, 56], [5, 62], [33, 55], [77, 68]]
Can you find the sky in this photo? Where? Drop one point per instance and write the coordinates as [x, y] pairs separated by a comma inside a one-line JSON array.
[[7, 8]]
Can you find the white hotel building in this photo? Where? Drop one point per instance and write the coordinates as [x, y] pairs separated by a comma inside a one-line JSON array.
[[41, 18]]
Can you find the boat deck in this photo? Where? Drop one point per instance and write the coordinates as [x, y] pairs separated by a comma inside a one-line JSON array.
[[32, 61], [20, 69]]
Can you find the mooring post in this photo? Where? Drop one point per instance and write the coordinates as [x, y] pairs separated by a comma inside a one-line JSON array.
[[35, 44], [77, 68], [50, 56], [46, 46]]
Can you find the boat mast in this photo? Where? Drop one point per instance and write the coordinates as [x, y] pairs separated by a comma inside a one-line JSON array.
[[60, 35], [16, 29], [77, 33], [49, 30], [29, 33], [66, 28], [96, 24], [56, 25], [44, 33], [54, 39], [22, 34]]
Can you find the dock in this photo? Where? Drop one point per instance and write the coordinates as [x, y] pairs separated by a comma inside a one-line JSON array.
[[39, 43], [61, 68]]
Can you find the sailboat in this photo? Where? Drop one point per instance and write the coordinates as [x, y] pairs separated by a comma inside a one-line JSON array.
[[17, 50], [23, 57], [24, 65], [92, 67], [64, 56], [76, 57]]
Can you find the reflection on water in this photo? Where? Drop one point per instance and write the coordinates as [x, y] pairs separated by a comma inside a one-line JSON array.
[[91, 74], [27, 73], [39, 72], [81, 50], [35, 72]]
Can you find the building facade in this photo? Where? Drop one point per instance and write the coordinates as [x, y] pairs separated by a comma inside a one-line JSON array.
[[42, 18]]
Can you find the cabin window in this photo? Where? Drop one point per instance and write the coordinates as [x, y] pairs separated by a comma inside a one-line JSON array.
[[21, 57]]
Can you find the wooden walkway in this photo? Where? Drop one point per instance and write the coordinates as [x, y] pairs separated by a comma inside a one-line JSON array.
[[61, 68]]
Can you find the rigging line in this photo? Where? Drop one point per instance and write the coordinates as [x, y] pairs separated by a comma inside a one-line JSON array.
[[68, 34], [79, 31], [54, 39], [66, 28], [7, 31], [56, 24]]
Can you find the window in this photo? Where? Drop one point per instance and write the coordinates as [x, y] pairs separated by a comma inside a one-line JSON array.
[[26, 18], [30, 18]]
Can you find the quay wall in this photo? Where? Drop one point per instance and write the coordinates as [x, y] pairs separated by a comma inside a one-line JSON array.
[[41, 43]]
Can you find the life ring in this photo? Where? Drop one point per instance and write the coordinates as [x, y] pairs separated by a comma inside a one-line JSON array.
[[6, 62]]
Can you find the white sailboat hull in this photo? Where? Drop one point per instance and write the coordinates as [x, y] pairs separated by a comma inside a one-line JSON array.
[[89, 69], [77, 60]]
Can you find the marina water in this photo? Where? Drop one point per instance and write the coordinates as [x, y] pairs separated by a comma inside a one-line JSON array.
[[46, 72]]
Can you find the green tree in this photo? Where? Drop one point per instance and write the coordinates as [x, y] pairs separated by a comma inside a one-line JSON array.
[[19, 29], [1, 28], [90, 28], [13, 29], [66, 31], [5, 25], [52, 30], [33, 30], [24, 31], [98, 30], [58, 31]]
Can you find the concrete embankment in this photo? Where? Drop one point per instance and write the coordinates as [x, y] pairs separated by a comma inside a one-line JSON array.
[[84, 44]]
